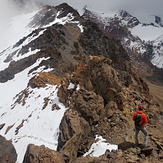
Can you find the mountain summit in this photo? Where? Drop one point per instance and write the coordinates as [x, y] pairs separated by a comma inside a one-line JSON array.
[[69, 88]]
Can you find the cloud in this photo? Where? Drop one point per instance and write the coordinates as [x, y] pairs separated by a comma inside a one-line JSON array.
[[6, 10], [142, 9], [135, 7], [104, 5]]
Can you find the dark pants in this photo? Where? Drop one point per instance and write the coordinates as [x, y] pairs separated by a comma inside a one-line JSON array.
[[143, 129]]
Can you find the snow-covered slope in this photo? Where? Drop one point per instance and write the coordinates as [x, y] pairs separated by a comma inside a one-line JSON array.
[[28, 122], [157, 58], [21, 108]]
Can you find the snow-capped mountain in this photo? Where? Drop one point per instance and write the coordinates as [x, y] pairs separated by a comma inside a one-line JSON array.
[[136, 36]]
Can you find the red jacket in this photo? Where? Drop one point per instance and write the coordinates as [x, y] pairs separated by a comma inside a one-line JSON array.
[[144, 119]]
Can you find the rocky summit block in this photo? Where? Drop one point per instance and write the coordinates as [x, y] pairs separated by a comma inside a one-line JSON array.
[[7, 151], [36, 154]]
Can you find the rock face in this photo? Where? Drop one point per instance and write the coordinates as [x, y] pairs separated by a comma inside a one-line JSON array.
[[7, 151], [75, 129], [35, 154], [103, 105]]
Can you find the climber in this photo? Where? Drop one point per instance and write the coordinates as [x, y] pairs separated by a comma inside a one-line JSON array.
[[140, 119]]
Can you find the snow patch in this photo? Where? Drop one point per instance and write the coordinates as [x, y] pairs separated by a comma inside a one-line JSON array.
[[40, 123], [147, 33], [99, 147], [157, 60]]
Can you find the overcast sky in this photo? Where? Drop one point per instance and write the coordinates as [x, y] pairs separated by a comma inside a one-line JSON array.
[[135, 7]]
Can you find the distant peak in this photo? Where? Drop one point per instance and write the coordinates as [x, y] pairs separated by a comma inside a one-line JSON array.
[[67, 9]]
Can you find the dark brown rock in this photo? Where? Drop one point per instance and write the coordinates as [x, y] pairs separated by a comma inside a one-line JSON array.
[[147, 151], [63, 92], [41, 154], [7, 151], [2, 125], [88, 104]]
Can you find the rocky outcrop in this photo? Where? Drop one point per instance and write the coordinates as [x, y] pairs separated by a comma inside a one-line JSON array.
[[103, 105], [35, 154], [41, 154], [42, 79], [7, 151]]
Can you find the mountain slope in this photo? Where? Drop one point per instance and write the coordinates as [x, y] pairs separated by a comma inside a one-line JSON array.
[[27, 114], [141, 40]]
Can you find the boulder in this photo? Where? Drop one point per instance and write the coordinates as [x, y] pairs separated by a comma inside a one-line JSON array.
[[74, 137], [41, 154], [88, 104], [7, 151]]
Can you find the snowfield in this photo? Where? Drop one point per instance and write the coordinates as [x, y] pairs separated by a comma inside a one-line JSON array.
[[147, 33], [40, 125], [14, 29]]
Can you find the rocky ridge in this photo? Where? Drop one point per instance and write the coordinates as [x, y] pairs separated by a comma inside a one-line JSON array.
[[8, 152], [105, 109]]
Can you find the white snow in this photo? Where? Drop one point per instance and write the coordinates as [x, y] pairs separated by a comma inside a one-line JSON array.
[[40, 124], [147, 33], [157, 60], [23, 111], [13, 29], [71, 86], [99, 148], [67, 19]]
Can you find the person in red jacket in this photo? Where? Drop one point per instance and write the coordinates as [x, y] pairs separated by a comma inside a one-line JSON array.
[[140, 119]]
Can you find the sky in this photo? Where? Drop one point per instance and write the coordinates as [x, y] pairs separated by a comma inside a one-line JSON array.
[[135, 7]]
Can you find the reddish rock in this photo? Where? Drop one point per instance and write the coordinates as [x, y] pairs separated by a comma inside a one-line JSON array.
[[42, 79]]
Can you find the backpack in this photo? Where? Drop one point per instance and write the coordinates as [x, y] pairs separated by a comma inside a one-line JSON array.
[[138, 119]]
